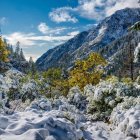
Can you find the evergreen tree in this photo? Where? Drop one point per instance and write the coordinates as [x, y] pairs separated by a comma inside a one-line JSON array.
[[31, 61], [11, 49], [17, 50], [52, 74], [21, 56], [135, 27], [5, 42], [32, 65]]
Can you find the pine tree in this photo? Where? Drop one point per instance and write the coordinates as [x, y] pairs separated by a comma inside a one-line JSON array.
[[11, 49], [138, 57], [32, 65], [17, 50], [5, 42], [131, 56], [31, 60], [21, 56], [135, 27]]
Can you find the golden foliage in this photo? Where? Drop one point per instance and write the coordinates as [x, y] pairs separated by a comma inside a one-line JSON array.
[[127, 81], [112, 79], [3, 51], [87, 71]]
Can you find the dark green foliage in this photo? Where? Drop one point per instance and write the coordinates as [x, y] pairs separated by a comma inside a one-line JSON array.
[[22, 57], [13, 94], [32, 66], [52, 74]]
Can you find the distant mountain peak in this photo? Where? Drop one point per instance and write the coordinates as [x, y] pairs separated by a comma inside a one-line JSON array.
[[108, 30]]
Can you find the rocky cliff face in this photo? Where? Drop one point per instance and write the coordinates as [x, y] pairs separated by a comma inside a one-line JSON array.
[[107, 31]]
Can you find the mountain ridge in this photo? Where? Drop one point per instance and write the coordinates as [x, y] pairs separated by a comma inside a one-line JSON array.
[[108, 30]]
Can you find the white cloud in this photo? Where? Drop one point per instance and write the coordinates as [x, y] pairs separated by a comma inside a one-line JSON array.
[[98, 9], [3, 21], [62, 15], [32, 39], [88, 9], [23, 38], [42, 27], [50, 38], [74, 33], [93, 9], [45, 29], [121, 4], [58, 30], [32, 42]]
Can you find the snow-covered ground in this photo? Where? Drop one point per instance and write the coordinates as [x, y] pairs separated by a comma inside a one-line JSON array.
[[68, 118], [58, 120]]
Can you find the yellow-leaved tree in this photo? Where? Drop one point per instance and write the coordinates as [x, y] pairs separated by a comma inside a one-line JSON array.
[[3, 51], [87, 71]]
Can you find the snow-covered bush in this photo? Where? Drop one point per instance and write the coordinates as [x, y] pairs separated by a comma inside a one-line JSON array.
[[41, 104], [126, 115], [107, 94], [30, 90], [13, 91], [75, 97], [18, 105], [89, 90]]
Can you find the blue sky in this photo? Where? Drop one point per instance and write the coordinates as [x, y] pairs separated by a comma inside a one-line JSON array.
[[42, 24]]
